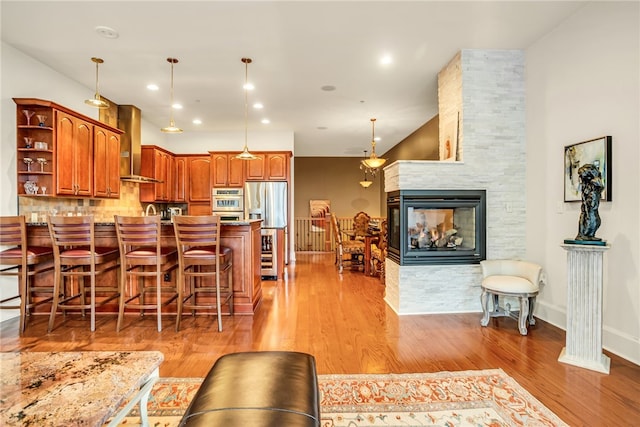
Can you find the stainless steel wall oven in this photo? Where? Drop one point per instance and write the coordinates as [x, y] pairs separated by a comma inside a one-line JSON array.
[[228, 203]]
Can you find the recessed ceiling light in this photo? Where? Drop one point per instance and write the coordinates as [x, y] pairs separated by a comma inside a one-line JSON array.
[[152, 86], [328, 88], [177, 106], [106, 32], [386, 60], [197, 121], [248, 86], [265, 121], [258, 106]]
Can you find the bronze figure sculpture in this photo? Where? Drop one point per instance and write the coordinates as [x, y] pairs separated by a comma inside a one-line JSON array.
[[591, 187]]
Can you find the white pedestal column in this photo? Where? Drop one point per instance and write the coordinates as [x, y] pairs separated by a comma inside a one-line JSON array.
[[584, 308]]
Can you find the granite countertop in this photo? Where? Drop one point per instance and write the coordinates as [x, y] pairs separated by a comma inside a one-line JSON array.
[[70, 388]]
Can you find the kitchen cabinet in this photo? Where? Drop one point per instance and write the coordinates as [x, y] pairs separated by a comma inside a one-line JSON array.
[[106, 164], [199, 184], [199, 208], [256, 170], [56, 149], [272, 166], [74, 156], [226, 170], [278, 166], [157, 163], [242, 237], [192, 183]]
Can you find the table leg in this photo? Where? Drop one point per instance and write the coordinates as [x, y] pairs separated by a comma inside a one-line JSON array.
[[367, 255], [141, 398]]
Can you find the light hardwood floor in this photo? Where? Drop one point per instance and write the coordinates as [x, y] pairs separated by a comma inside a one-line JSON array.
[[343, 321]]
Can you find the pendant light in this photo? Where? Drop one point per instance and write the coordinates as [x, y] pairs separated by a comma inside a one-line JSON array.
[[96, 101], [246, 155], [365, 183], [172, 128], [373, 162]]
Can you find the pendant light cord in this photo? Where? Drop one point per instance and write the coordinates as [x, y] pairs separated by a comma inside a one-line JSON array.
[[246, 101], [171, 122], [97, 96], [373, 137]]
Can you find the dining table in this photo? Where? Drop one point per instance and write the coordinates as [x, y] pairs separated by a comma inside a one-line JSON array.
[[369, 237]]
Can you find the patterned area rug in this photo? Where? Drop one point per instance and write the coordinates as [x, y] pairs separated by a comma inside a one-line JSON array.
[[467, 398]]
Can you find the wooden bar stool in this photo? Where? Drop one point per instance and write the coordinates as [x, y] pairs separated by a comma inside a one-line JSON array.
[[24, 262], [143, 256], [77, 257], [201, 256]]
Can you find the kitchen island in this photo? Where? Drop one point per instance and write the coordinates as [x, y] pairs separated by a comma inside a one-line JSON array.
[[243, 237]]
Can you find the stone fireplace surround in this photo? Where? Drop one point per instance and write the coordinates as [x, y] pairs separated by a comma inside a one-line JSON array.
[[488, 85]]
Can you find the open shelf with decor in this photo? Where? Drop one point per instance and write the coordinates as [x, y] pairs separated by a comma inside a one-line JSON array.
[[35, 149]]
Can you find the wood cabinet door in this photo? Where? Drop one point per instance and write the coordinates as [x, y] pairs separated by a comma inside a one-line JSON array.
[[106, 164], [199, 208], [83, 158], [199, 185], [180, 179], [113, 165], [256, 169], [159, 168], [278, 166], [65, 180], [236, 171], [219, 169], [169, 187]]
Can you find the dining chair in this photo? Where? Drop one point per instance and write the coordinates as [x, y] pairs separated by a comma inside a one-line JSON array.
[[351, 251], [379, 253], [23, 261], [361, 225], [202, 257], [144, 256], [76, 257]]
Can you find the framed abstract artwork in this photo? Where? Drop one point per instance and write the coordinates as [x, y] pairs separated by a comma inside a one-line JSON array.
[[594, 151]]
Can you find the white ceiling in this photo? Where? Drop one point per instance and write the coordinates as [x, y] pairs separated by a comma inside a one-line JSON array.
[[297, 47]]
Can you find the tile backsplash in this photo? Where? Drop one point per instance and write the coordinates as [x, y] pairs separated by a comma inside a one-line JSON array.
[[37, 208]]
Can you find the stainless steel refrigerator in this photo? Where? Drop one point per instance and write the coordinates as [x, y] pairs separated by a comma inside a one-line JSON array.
[[268, 201]]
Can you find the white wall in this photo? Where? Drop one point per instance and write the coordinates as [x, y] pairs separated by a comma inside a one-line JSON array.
[[582, 83]]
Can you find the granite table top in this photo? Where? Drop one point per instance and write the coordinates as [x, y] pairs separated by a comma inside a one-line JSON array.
[[70, 388]]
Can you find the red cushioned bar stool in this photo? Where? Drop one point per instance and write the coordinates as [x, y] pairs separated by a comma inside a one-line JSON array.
[[77, 258], [24, 261]]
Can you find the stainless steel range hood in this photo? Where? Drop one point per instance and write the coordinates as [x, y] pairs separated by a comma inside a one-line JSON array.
[[129, 119]]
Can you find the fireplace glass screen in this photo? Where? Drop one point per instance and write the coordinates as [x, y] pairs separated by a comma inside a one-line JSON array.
[[436, 226]]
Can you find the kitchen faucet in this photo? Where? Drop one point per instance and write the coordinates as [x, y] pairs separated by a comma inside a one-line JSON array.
[[152, 207]]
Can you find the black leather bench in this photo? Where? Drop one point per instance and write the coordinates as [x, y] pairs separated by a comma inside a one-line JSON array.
[[266, 388]]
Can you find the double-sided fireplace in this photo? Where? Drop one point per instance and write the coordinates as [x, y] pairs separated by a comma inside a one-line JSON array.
[[436, 227]]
